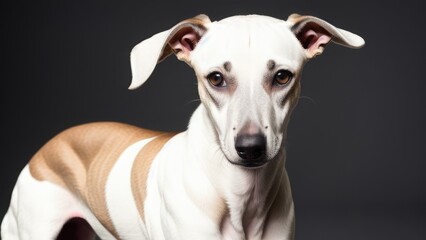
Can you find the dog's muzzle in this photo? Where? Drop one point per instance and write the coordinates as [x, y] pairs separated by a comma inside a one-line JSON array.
[[251, 149]]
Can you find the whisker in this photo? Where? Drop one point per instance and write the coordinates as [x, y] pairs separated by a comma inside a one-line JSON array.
[[192, 101], [308, 98]]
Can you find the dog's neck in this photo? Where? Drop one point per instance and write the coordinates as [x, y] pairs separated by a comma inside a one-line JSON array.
[[237, 193]]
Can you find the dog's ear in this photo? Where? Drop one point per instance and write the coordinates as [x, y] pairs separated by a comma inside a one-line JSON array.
[[180, 39], [314, 33]]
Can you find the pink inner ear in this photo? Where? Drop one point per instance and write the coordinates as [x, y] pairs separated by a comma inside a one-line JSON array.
[[312, 40], [185, 43]]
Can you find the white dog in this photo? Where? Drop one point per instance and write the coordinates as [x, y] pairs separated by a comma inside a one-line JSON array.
[[223, 178]]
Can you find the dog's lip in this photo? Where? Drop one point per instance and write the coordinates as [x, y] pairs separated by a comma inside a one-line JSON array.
[[250, 164]]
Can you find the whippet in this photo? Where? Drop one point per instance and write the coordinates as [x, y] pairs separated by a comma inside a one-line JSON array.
[[223, 178]]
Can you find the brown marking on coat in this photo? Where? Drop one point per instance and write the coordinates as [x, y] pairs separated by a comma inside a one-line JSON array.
[[227, 66], [295, 18], [267, 82], [268, 85], [216, 94], [81, 158], [141, 166], [270, 65]]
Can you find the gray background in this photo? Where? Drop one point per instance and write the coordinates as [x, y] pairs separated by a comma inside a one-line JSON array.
[[357, 140]]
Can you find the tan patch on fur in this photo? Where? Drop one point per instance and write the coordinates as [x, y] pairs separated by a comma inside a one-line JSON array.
[[218, 212], [295, 18], [81, 158], [141, 166]]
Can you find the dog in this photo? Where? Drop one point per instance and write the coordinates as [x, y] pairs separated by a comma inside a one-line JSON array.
[[223, 178]]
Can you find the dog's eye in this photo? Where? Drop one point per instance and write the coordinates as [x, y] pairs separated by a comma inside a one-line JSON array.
[[216, 79], [282, 77]]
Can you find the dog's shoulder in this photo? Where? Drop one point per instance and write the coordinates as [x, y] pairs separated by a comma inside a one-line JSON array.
[[87, 147], [81, 148]]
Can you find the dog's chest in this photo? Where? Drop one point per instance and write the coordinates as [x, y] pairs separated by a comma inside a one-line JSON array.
[[245, 217]]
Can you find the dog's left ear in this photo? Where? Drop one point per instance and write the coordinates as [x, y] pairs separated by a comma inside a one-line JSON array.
[[180, 39], [314, 33]]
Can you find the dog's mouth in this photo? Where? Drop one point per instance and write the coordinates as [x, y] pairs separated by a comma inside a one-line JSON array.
[[253, 164]]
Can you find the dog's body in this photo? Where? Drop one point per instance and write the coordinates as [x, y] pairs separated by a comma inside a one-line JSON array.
[[223, 178]]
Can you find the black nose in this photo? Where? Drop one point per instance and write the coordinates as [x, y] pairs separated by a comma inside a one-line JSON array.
[[250, 147]]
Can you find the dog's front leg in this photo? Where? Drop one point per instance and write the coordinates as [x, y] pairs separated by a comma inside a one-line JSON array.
[[253, 231], [181, 203], [232, 227]]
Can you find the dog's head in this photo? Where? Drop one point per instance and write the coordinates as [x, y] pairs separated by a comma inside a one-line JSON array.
[[248, 70]]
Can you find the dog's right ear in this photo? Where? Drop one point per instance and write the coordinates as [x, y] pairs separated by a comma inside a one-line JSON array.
[[314, 33], [180, 39]]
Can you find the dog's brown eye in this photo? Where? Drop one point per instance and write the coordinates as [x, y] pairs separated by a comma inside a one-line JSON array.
[[216, 79], [282, 77]]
